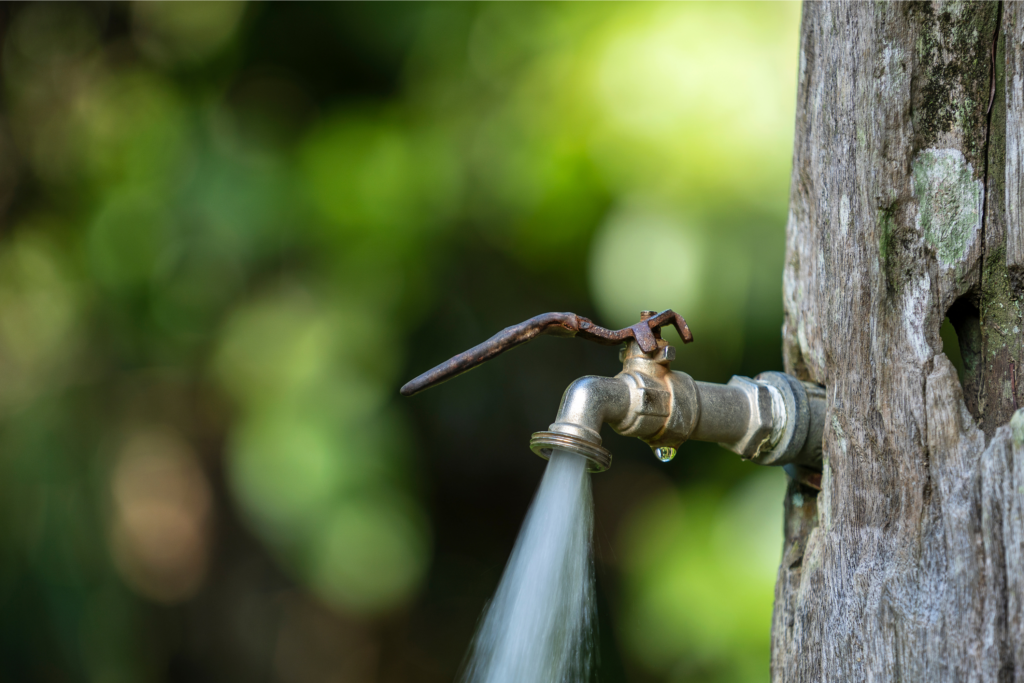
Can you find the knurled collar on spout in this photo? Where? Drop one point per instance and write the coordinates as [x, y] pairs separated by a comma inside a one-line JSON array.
[[542, 443]]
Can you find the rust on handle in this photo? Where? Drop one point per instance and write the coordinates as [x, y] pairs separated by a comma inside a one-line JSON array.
[[646, 333]]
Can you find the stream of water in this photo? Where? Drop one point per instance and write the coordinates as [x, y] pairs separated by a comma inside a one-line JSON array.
[[539, 626]]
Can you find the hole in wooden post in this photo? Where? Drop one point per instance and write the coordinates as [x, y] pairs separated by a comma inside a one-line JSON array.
[[951, 347], [961, 342]]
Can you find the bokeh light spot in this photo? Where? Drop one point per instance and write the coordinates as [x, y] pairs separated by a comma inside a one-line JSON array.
[[383, 182], [372, 553], [283, 470], [130, 241], [185, 33], [162, 509], [643, 259]]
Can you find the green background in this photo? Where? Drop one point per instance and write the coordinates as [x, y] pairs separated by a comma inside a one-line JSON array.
[[230, 232]]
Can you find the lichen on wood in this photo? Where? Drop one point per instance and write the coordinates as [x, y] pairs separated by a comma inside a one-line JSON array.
[[949, 203]]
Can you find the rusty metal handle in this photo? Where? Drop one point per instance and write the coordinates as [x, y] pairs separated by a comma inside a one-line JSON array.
[[646, 333]]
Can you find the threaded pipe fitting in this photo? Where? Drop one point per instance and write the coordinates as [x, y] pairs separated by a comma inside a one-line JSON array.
[[542, 443]]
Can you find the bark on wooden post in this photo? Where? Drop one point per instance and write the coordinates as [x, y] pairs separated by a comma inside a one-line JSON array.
[[907, 205]]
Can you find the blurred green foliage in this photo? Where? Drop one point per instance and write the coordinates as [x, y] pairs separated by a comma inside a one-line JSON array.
[[231, 231]]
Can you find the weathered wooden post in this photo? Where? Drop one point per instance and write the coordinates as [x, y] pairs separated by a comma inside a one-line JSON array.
[[907, 206]]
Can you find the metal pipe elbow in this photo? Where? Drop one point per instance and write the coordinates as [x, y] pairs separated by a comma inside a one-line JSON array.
[[590, 402], [587, 404]]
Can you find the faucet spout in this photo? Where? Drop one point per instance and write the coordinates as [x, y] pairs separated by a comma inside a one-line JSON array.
[[589, 403], [586, 406]]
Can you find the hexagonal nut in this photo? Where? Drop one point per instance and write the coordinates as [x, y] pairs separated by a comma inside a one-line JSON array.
[[792, 422], [759, 427]]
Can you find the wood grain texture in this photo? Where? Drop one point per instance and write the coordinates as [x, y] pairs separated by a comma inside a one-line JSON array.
[[1013, 25], [907, 566]]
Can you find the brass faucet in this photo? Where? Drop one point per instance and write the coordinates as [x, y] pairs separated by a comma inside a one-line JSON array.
[[772, 419]]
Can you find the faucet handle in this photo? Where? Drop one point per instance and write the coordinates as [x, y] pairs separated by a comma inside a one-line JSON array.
[[646, 333]]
